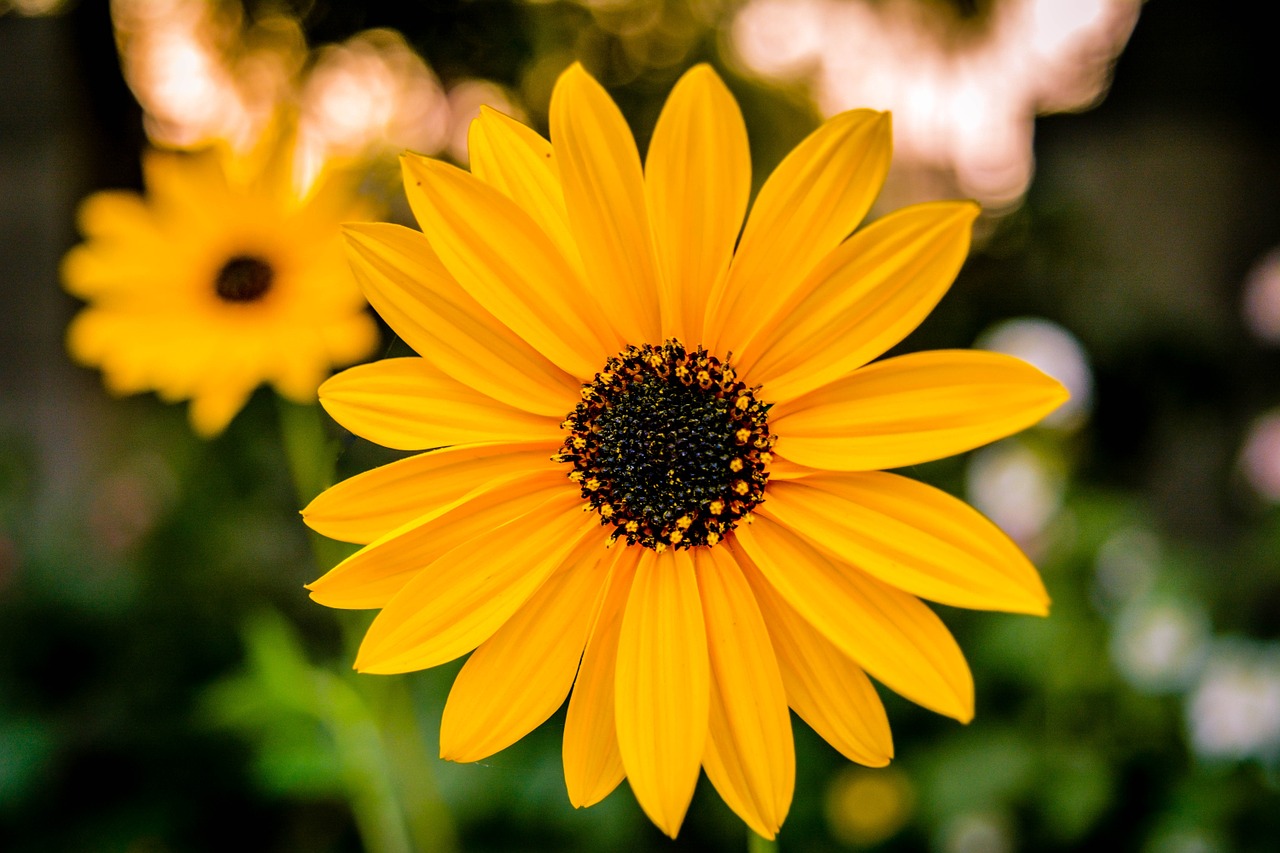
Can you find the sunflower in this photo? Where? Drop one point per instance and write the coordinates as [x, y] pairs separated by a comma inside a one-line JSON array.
[[657, 448], [223, 277]]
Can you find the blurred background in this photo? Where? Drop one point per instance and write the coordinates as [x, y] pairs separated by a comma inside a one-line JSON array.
[[165, 683]]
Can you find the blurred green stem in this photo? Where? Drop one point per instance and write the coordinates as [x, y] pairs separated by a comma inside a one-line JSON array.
[[757, 844], [365, 769], [311, 455], [385, 759]]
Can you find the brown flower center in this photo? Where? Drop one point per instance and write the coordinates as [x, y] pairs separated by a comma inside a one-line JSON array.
[[668, 446], [244, 278]]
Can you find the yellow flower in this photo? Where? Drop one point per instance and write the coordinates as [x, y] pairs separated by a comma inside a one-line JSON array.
[[604, 362], [222, 278]]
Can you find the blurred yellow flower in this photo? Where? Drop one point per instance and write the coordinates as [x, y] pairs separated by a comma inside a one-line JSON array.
[[605, 362], [223, 277]]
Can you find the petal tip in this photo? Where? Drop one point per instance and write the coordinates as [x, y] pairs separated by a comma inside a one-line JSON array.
[[574, 73], [964, 712], [587, 799], [362, 663], [704, 72], [326, 387], [668, 816]]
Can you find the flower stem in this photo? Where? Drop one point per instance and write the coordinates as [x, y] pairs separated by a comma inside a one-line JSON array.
[[759, 844], [311, 456], [390, 786]]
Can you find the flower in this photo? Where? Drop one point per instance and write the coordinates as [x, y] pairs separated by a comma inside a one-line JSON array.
[[603, 363], [224, 277]]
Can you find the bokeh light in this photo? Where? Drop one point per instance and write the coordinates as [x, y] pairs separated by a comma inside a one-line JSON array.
[[1260, 458], [866, 807], [964, 90], [977, 832], [1262, 298], [1018, 488], [1160, 646], [201, 72], [1234, 711], [371, 96], [32, 8], [1126, 566]]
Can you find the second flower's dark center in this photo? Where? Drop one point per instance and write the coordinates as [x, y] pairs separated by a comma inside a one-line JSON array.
[[244, 278], [668, 446]]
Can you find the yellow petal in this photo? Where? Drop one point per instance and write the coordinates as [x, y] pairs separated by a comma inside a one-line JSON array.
[[697, 179], [912, 536], [825, 687], [508, 264], [114, 215], [189, 189], [138, 270], [409, 404], [366, 506], [213, 408], [604, 193], [783, 468], [516, 160], [662, 687], [811, 202], [912, 409], [408, 286], [891, 634], [518, 677], [120, 256], [372, 576], [750, 756], [136, 352], [863, 298], [592, 762], [459, 600]]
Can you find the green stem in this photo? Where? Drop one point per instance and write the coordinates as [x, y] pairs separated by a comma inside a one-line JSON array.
[[385, 760], [757, 844], [365, 767], [311, 455]]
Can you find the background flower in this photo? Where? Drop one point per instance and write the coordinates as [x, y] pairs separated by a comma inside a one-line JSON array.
[[225, 275]]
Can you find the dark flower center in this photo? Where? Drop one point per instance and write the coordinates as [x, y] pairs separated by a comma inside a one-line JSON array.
[[244, 278], [668, 446]]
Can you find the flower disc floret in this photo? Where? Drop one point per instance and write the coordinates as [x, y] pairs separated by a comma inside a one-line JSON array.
[[668, 446], [244, 278]]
